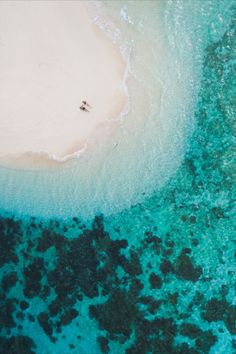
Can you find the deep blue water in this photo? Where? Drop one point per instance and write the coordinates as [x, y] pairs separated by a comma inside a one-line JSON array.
[[156, 278]]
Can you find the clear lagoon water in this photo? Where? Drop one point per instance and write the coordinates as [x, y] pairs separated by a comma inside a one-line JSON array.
[[131, 249]]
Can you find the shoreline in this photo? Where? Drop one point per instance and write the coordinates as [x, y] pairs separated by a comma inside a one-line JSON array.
[[62, 136]]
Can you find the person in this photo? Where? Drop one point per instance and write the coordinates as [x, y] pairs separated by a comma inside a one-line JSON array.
[[84, 108], [86, 104]]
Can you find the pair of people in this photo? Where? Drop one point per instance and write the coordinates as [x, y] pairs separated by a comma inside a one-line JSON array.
[[85, 105]]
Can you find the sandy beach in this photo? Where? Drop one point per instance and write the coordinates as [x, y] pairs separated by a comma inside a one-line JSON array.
[[52, 57]]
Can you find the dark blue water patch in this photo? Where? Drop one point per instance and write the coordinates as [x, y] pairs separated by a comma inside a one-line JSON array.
[[158, 278]]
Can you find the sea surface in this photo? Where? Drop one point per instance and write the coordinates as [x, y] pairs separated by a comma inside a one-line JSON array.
[[131, 248]]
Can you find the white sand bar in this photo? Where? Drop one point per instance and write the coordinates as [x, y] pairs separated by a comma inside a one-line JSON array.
[[52, 57]]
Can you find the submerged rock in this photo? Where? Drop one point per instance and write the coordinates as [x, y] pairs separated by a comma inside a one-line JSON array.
[[17, 345], [215, 310], [33, 274], [103, 343], [9, 280], [155, 281], [185, 268], [45, 323], [7, 309], [116, 315]]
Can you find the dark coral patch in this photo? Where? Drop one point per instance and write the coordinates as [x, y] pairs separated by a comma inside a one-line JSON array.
[[113, 251], [103, 343], [117, 314], [7, 309], [155, 281], [155, 336], [32, 277], [10, 233], [185, 268], [220, 310], [230, 320], [9, 280], [132, 265], [76, 267], [55, 307], [45, 323], [215, 310], [166, 267], [184, 348], [98, 230], [45, 241], [17, 345], [190, 330], [24, 305], [204, 339], [173, 298], [152, 304], [68, 316]]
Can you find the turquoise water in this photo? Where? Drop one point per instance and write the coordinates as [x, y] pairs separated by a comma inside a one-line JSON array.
[[155, 273]]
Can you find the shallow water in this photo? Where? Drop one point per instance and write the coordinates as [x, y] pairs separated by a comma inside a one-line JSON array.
[[157, 276]]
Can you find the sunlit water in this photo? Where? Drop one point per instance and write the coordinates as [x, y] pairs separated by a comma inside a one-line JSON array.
[[156, 273]]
